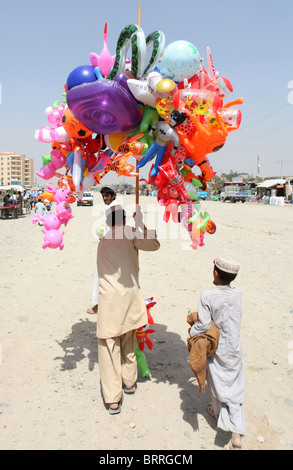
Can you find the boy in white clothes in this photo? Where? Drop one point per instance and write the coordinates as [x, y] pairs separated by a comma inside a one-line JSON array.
[[225, 374]]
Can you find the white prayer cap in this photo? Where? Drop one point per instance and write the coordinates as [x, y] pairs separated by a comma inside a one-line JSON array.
[[227, 265]]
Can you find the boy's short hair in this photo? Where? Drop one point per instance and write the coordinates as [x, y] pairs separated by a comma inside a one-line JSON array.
[[225, 277]]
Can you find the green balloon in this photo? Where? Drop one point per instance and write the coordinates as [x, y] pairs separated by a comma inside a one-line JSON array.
[[149, 118], [46, 159], [141, 361], [100, 230]]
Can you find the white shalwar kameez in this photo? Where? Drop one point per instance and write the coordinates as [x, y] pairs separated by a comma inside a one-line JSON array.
[[225, 375]]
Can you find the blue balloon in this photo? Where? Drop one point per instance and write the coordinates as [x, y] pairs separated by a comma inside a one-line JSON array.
[[82, 74], [180, 60]]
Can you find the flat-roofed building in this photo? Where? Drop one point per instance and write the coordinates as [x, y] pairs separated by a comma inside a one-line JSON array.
[[16, 169]]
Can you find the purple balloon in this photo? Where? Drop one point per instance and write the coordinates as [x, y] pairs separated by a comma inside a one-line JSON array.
[[104, 107], [122, 80]]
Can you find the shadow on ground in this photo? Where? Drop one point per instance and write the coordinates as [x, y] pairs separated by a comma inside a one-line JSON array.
[[167, 361]]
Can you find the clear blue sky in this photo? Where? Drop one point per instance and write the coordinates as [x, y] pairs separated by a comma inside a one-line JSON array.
[[251, 43]]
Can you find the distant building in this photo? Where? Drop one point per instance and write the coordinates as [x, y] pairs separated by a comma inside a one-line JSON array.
[[16, 169]]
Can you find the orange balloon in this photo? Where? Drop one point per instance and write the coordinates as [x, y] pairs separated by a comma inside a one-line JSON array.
[[205, 140], [47, 196], [74, 127]]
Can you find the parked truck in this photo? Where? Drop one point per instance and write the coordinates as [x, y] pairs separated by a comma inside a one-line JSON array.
[[235, 192]]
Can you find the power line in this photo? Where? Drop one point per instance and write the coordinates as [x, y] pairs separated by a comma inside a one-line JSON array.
[[266, 115], [267, 104], [274, 129]]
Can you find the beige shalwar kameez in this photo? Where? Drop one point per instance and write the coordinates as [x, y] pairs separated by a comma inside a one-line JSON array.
[[122, 307]]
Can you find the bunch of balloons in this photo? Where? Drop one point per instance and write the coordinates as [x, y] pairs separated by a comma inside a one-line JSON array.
[[52, 222], [159, 104]]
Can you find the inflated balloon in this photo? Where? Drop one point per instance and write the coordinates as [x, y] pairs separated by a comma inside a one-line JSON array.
[[166, 134], [145, 51], [105, 61], [121, 166], [55, 114], [201, 102], [144, 90], [63, 179], [170, 183], [104, 107], [113, 141], [165, 92], [154, 102], [53, 239], [231, 118], [62, 197], [149, 118], [80, 75], [46, 159], [155, 43], [132, 35], [74, 127], [143, 338], [224, 85], [47, 196], [201, 224], [47, 135], [180, 60], [141, 361], [77, 168], [204, 141], [57, 161], [50, 221]]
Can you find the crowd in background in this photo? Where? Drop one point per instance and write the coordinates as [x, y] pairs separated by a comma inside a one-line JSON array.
[[24, 201]]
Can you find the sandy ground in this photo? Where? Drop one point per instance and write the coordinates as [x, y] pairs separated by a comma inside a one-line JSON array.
[[50, 393]]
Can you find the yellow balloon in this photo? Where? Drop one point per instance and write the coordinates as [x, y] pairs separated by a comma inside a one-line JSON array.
[[113, 141], [166, 85]]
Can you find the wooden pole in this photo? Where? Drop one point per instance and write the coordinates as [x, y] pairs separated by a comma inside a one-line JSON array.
[[137, 177]]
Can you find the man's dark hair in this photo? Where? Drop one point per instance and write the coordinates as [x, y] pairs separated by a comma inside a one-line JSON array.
[[225, 277], [116, 217], [107, 191]]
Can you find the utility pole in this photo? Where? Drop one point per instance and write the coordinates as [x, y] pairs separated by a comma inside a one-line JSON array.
[[257, 165], [282, 161]]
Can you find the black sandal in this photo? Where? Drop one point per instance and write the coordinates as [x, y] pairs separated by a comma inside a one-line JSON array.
[[116, 411]]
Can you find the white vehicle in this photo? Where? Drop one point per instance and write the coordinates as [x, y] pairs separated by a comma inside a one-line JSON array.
[[234, 193], [86, 200]]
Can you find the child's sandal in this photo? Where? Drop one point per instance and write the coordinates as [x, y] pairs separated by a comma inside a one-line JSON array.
[[211, 411]]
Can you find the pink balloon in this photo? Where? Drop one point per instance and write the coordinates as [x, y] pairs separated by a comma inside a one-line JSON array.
[[53, 239], [105, 62]]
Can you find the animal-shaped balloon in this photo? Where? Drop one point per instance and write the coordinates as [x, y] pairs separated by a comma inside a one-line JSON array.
[[201, 224], [57, 161], [62, 197], [53, 239], [143, 338], [105, 61], [166, 134], [205, 140], [50, 221]]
